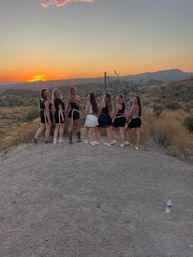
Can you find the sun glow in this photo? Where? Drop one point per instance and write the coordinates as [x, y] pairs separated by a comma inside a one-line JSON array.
[[37, 78]]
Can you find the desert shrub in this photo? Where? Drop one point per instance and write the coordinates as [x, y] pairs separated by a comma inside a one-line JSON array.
[[23, 134], [31, 115], [173, 105], [172, 135], [158, 109], [2, 133], [189, 123]]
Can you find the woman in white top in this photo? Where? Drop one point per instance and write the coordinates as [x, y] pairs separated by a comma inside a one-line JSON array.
[[91, 122]]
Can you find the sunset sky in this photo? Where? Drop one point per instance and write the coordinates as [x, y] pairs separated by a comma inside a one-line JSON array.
[[59, 39]]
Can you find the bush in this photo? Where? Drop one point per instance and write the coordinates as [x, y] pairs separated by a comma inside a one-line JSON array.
[[31, 115], [189, 123], [173, 106]]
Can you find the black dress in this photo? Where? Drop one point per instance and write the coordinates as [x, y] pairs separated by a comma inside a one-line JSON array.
[[104, 120], [57, 103], [43, 116], [74, 111], [120, 119]]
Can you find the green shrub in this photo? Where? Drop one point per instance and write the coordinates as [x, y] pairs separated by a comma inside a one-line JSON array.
[[189, 123], [31, 115]]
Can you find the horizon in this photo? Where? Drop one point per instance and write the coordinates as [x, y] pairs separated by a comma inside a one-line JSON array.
[[98, 77], [45, 40]]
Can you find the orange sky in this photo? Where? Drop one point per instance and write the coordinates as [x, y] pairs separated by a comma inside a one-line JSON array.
[[85, 38]]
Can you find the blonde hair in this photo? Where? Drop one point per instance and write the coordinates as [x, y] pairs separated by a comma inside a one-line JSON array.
[[54, 94], [72, 91]]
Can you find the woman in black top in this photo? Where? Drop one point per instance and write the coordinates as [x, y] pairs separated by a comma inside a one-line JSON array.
[[105, 120], [73, 112], [119, 120], [59, 116], [46, 117]]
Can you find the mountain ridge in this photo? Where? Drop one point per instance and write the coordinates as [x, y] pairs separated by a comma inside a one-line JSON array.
[[142, 78]]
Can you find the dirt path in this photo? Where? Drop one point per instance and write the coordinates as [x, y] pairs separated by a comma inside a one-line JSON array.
[[84, 201]]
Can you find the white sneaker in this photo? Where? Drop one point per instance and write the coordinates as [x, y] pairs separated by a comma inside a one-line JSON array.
[[123, 145], [86, 141], [61, 140], [96, 142], [137, 148], [55, 141], [113, 142], [92, 143], [127, 143], [107, 144]]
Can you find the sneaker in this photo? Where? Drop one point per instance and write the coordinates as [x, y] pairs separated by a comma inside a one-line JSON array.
[[113, 142], [107, 144], [49, 141], [34, 141], [122, 145], [61, 140], [127, 143], [92, 143], [137, 148], [96, 142], [86, 141]]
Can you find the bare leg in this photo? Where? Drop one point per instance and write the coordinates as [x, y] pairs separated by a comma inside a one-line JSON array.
[[86, 133], [122, 134], [109, 135], [98, 133], [56, 131], [77, 129], [47, 134], [61, 131], [70, 124], [40, 131], [137, 131]]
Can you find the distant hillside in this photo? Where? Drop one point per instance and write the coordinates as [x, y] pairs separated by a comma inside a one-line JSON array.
[[163, 76], [150, 78]]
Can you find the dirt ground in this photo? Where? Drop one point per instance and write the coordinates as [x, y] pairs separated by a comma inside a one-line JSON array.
[[84, 201]]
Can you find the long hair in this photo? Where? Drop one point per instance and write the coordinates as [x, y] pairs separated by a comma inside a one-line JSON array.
[[109, 102], [122, 100], [139, 103], [54, 94], [42, 93], [72, 91], [94, 103]]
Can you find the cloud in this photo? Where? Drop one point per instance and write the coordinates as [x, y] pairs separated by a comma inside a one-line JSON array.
[[61, 3]]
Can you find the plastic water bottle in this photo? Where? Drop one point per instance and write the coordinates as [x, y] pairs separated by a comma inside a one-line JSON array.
[[168, 206]]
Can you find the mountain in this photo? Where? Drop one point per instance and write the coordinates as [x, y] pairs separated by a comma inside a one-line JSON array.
[[148, 78], [163, 76]]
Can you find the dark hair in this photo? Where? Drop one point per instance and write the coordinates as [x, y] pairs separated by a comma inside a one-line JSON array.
[[109, 102], [42, 93], [139, 103], [121, 96], [93, 103]]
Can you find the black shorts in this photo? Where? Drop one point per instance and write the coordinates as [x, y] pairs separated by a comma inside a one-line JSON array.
[[119, 122], [135, 123], [42, 117], [74, 114], [56, 117], [104, 121]]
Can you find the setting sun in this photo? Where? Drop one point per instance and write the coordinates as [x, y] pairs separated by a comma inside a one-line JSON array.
[[38, 78]]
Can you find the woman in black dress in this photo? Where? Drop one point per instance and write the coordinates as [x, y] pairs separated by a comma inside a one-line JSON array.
[[119, 120], [46, 117], [105, 120], [59, 116], [73, 112]]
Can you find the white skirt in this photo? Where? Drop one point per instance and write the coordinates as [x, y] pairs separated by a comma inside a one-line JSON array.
[[91, 121]]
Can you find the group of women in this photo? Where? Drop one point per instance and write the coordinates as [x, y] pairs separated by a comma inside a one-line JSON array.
[[106, 116]]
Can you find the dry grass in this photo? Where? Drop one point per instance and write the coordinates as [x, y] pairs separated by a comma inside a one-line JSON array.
[[169, 132], [22, 134]]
